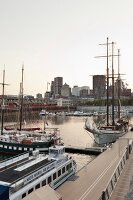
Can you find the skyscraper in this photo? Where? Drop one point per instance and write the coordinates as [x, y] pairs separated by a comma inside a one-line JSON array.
[[99, 86], [57, 85]]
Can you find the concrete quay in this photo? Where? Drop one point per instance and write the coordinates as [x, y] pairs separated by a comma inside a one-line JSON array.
[[98, 179]]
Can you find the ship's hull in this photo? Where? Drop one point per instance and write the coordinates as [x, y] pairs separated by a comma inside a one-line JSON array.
[[16, 148], [105, 138], [106, 135]]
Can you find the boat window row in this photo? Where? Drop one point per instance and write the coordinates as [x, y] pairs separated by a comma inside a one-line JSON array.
[[16, 148], [49, 179]]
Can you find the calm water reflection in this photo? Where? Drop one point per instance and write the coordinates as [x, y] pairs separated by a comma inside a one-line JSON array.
[[73, 133]]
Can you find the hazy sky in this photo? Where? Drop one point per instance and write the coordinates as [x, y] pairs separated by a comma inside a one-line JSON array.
[[60, 38]]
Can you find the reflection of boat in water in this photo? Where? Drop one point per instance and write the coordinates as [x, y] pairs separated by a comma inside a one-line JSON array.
[[21, 175], [111, 131]]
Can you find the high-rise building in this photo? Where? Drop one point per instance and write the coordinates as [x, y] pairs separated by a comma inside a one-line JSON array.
[[57, 85], [76, 91], [52, 88], [39, 96], [65, 91], [99, 86], [83, 91]]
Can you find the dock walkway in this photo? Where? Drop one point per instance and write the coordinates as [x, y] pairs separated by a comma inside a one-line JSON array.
[[99, 176], [123, 183]]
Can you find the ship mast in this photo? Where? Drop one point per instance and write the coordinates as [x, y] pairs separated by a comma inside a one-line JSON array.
[[3, 105], [119, 84], [21, 101], [107, 83], [113, 121], [107, 77]]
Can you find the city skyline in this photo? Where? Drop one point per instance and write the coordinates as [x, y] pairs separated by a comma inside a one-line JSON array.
[[61, 38]]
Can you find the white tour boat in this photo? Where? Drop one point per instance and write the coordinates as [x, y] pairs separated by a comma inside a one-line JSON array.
[[21, 175]]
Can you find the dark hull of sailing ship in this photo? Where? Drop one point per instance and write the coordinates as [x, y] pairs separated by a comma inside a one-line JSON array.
[[14, 142], [14, 148]]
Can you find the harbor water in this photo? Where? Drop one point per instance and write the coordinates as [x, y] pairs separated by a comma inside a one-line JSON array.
[[72, 132]]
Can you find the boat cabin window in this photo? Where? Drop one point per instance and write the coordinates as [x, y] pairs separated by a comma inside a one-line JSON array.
[[49, 179], [23, 195], [43, 182], [59, 172], [30, 190], [68, 167], [37, 186], [54, 176], [63, 170], [55, 151]]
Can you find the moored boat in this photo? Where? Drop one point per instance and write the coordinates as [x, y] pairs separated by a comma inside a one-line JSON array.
[[23, 174], [18, 140], [118, 125], [104, 135], [14, 142]]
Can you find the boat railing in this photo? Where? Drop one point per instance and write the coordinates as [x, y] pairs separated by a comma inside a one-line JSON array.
[[13, 160], [107, 192]]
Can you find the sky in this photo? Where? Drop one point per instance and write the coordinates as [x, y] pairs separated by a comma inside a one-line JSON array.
[[61, 38]]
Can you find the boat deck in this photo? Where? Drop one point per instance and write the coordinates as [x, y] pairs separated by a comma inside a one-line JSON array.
[[10, 175]]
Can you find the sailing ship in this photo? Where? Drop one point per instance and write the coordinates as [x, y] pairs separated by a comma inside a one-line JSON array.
[[21, 175], [111, 131], [18, 140]]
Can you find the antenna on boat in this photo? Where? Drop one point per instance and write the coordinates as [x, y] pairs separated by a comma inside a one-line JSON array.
[[3, 105]]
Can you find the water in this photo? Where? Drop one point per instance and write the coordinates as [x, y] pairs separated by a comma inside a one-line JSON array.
[[72, 133]]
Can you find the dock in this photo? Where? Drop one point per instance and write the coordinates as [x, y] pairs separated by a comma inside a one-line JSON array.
[[97, 180], [85, 150]]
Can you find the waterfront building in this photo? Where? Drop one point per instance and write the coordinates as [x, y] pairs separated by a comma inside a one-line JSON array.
[[75, 91], [83, 91], [63, 102]]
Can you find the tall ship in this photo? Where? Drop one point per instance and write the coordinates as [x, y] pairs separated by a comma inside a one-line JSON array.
[[18, 140], [21, 175], [118, 125]]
